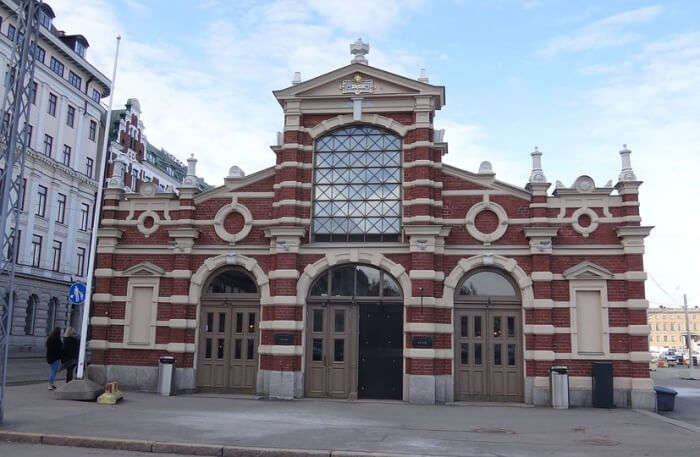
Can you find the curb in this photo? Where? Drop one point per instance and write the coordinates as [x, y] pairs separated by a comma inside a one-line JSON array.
[[668, 420], [179, 448]]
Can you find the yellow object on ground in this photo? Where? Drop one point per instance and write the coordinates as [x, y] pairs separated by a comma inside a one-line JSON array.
[[112, 394]]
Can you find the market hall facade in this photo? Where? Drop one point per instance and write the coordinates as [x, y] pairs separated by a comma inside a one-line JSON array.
[[361, 265]]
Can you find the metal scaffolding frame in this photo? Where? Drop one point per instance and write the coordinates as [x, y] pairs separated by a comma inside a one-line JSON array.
[[13, 146]]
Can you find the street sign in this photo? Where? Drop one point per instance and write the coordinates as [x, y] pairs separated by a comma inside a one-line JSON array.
[[76, 294]]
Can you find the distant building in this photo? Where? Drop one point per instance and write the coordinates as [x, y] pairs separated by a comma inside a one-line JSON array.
[[62, 161], [668, 326], [134, 160]]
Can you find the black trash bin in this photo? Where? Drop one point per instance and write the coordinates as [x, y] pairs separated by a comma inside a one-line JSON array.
[[665, 398]]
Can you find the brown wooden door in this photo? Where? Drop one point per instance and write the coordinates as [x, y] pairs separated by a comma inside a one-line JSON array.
[[228, 348], [212, 372], [331, 353], [488, 355]]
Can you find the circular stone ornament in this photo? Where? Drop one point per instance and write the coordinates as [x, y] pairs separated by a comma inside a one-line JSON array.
[[223, 213], [588, 229], [487, 238], [151, 228]]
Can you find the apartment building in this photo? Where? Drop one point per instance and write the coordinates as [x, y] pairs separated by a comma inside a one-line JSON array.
[[668, 327], [60, 181]]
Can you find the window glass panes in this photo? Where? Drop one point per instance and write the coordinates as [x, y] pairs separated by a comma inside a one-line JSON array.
[[340, 321], [390, 288], [237, 349], [464, 325], [477, 326], [511, 326], [477, 353], [320, 287], [222, 322], [339, 350], [318, 320], [239, 322], [511, 354], [343, 281], [251, 322], [207, 348], [317, 354], [251, 349], [487, 283], [496, 354], [210, 322], [232, 282], [496, 326], [464, 353], [357, 179], [220, 348], [368, 280]]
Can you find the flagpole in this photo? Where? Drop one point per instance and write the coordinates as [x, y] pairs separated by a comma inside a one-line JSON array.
[[95, 225]]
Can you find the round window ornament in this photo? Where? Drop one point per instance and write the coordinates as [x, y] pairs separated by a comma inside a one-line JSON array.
[[495, 234], [220, 222], [584, 221], [584, 184], [148, 222]]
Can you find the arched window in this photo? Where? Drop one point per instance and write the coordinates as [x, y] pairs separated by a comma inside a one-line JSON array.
[[232, 281], [487, 284], [32, 302], [355, 282], [51, 316], [357, 185]]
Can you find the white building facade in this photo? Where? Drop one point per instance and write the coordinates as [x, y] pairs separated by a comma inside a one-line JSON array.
[[61, 175]]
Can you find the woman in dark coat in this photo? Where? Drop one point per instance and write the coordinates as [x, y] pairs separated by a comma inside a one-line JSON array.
[[69, 358], [54, 347]]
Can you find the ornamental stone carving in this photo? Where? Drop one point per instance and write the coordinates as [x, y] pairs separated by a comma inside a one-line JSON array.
[[487, 238], [584, 230], [223, 213], [148, 222]]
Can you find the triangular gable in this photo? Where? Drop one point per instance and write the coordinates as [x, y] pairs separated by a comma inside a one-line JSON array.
[[231, 184], [487, 181], [387, 83], [587, 270], [144, 269]]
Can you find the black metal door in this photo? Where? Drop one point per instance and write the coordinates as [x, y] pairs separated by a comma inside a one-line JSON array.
[[381, 351]]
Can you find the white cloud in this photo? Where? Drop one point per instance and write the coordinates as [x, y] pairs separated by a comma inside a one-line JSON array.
[[607, 32]]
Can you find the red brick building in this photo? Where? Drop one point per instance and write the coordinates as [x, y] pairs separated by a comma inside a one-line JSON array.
[[360, 265]]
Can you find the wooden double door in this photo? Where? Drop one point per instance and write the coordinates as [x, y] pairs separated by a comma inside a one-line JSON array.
[[488, 354], [228, 348], [354, 351]]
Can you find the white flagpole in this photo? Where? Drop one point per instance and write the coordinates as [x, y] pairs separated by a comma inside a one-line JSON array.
[[95, 225]]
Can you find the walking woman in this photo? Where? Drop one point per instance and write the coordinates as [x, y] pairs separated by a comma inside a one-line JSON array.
[[69, 356], [54, 347]]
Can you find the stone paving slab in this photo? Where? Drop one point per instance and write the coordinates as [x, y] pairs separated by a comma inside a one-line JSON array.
[[352, 427]]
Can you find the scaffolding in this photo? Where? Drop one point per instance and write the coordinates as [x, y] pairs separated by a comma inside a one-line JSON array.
[[14, 135]]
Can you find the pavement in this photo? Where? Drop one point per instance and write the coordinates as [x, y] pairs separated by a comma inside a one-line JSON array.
[[687, 405], [382, 427], [24, 369]]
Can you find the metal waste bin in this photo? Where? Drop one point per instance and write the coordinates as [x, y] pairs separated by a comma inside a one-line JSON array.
[[166, 376], [665, 398], [560, 387]]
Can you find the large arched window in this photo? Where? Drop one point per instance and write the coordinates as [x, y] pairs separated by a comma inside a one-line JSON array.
[[32, 303], [231, 281], [355, 283], [51, 316], [357, 185], [486, 285]]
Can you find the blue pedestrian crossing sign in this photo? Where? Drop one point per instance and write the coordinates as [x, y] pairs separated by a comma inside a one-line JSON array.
[[76, 294]]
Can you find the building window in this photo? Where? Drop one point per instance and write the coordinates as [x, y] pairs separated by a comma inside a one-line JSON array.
[[665, 338], [84, 216], [61, 213], [13, 245], [93, 130], [36, 250], [48, 145], [11, 32], [80, 261], [39, 54], [56, 66], [32, 301], [30, 129], [70, 118], [96, 95], [35, 89], [88, 166], [51, 318], [57, 248], [52, 104], [66, 155], [24, 192], [41, 204], [80, 48], [350, 281], [44, 19], [75, 80], [357, 181]]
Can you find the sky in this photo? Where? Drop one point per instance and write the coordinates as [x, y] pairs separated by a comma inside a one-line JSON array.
[[576, 79]]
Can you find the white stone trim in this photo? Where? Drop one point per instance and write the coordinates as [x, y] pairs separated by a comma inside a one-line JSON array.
[[430, 275], [422, 163], [280, 300], [418, 144], [276, 349], [486, 238], [282, 325], [282, 220], [473, 192], [280, 185], [539, 329], [539, 355], [141, 281], [414, 353], [423, 182], [223, 213], [214, 263], [292, 202], [585, 231], [541, 276], [293, 164], [595, 285], [148, 231], [427, 327], [170, 347], [347, 119], [422, 201], [283, 274], [294, 146]]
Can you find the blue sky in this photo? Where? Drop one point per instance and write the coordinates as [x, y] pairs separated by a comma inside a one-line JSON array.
[[578, 79]]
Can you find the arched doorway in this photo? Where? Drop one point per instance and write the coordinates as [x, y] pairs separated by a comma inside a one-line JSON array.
[[354, 334], [488, 338], [228, 332]]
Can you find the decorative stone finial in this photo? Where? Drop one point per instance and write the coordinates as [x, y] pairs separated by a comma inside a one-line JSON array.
[[423, 76], [235, 172], [297, 78], [485, 168], [537, 175], [190, 179], [359, 49], [626, 174]]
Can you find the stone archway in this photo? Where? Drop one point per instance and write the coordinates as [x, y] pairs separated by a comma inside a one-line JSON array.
[[348, 119]]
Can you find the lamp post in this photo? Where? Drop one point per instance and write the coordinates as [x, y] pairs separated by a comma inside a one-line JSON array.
[[688, 341]]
